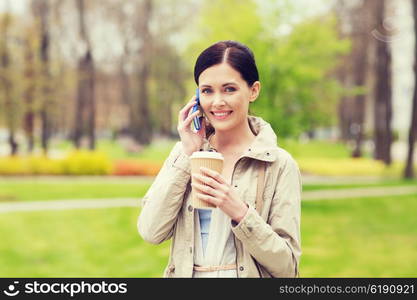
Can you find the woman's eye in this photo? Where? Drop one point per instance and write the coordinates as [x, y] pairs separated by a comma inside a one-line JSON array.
[[230, 89], [205, 91]]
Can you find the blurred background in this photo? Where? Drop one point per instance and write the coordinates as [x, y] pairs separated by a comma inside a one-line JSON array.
[[89, 97]]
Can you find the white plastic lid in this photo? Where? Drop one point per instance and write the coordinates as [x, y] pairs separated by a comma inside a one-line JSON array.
[[207, 154]]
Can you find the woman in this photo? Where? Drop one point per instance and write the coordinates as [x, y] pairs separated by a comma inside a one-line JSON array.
[[235, 239]]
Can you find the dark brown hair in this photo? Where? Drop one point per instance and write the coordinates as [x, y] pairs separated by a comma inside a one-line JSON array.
[[237, 55]]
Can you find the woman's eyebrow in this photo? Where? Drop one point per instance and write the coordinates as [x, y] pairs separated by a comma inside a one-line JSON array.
[[224, 84]]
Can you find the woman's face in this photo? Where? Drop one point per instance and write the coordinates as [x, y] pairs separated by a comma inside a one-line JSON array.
[[225, 96]]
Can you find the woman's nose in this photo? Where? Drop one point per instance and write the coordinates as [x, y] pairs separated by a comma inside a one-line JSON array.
[[218, 100]]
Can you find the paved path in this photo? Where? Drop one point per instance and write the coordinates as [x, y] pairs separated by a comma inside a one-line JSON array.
[[67, 204], [135, 202], [358, 192]]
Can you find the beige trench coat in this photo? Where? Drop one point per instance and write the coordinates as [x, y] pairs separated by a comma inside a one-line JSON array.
[[267, 244]]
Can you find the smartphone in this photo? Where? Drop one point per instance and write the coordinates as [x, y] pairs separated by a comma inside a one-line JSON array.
[[197, 120]]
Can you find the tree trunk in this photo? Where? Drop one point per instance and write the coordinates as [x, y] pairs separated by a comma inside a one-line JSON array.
[[90, 91], [360, 74], [85, 123], [343, 71], [29, 95], [408, 171], [383, 105], [6, 85], [355, 24], [141, 128], [45, 115]]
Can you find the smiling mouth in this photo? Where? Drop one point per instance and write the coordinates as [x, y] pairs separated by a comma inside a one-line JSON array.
[[221, 115]]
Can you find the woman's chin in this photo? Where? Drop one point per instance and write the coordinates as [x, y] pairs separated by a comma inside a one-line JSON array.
[[225, 126]]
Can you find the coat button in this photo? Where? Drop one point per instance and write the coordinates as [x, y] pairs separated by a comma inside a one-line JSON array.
[[267, 153], [190, 208], [236, 185], [241, 268]]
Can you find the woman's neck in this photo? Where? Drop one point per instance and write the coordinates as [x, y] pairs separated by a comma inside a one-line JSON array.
[[232, 141]]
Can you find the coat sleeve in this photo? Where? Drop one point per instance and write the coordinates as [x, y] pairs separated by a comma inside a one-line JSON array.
[[162, 202], [276, 244]]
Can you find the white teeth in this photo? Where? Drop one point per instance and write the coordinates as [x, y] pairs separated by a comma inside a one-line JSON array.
[[221, 114]]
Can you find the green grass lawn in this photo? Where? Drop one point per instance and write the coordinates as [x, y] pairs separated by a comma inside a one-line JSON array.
[[315, 149], [38, 190], [158, 151], [363, 237], [77, 243]]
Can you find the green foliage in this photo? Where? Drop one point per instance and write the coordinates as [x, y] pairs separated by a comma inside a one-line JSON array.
[[297, 92]]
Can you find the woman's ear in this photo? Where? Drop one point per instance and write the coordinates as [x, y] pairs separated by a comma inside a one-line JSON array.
[[254, 91]]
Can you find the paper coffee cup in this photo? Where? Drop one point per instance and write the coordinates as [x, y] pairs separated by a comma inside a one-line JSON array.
[[209, 160]]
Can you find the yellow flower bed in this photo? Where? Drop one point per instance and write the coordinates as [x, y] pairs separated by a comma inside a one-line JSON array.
[[80, 162], [348, 167]]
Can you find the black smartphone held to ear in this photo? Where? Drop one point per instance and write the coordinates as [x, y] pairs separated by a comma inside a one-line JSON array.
[[196, 120]]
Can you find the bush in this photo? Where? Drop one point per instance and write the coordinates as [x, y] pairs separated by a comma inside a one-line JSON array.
[[76, 163], [136, 167], [84, 162], [348, 167]]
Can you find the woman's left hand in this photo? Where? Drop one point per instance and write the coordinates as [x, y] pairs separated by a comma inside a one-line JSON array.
[[213, 188]]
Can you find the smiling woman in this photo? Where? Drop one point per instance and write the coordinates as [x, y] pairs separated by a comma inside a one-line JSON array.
[[228, 78], [234, 239]]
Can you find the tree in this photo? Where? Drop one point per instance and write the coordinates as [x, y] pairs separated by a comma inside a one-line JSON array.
[[29, 90], [85, 111], [41, 12], [11, 111], [412, 136], [383, 105], [297, 95], [141, 127], [361, 45]]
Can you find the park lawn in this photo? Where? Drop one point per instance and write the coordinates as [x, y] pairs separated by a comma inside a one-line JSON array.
[[38, 190], [347, 185], [158, 151], [77, 243], [361, 237]]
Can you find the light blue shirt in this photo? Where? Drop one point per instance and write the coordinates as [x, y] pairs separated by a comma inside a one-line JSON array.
[[204, 216]]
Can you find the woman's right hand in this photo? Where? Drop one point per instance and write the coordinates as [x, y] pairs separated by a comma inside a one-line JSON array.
[[191, 141]]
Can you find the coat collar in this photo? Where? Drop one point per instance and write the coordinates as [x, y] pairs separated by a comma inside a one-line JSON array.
[[264, 147]]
